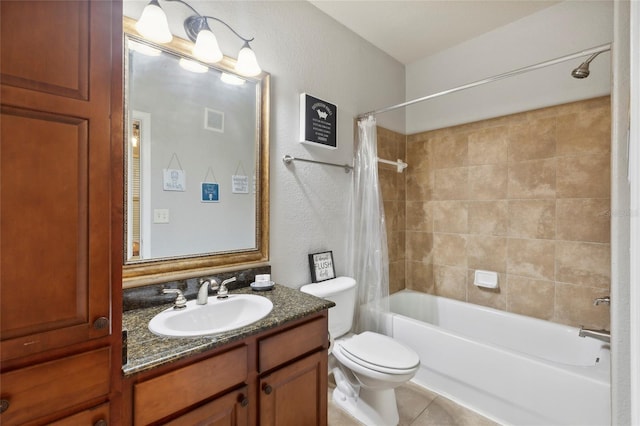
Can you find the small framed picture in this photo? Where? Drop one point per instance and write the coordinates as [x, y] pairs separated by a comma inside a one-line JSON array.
[[210, 192], [173, 180], [321, 265], [239, 184]]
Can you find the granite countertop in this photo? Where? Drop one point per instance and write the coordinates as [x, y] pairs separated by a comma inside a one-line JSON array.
[[146, 350]]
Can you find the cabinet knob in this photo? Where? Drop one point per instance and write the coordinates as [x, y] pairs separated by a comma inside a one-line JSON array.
[[100, 323], [267, 389], [4, 405], [101, 422], [244, 401]]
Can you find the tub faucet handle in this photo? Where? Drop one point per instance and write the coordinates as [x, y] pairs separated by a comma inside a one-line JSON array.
[[602, 300]]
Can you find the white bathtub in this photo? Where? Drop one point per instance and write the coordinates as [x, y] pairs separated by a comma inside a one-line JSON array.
[[511, 368]]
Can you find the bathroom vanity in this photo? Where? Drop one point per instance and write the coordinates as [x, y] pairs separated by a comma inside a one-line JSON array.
[[273, 371]]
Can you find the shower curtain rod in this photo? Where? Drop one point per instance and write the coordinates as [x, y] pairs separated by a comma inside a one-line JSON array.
[[597, 49]]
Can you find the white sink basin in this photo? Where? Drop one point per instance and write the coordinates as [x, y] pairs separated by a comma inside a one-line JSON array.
[[217, 316]]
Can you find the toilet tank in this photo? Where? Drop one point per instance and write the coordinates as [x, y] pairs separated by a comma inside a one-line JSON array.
[[342, 292]]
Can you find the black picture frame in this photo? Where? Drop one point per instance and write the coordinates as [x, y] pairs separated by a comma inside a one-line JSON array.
[[321, 266], [318, 122]]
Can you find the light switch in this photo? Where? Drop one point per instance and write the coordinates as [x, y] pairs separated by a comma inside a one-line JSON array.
[[160, 215]]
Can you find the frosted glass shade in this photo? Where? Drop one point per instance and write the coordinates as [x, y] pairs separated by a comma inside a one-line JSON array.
[[247, 63], [206, 48], [153, 24]]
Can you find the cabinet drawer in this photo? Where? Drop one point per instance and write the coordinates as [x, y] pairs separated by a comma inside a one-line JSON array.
[[283, 347], [161, 396], [53, 386], [96, 416]]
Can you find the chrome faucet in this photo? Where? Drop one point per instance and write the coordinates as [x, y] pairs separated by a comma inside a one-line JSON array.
[[603, 335], [215, 284], [203, 292], [602, 300]]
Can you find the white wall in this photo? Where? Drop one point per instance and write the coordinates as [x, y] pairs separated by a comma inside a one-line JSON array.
[[305, 51], [559, 30]]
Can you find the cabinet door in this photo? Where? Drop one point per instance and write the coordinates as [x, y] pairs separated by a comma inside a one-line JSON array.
[[55, 221], [296, 394], [228, 410]]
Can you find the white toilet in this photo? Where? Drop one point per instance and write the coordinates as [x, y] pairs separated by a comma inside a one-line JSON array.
[[367, 367]]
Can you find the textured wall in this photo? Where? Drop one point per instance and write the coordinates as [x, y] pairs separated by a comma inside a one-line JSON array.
[[526, 195]]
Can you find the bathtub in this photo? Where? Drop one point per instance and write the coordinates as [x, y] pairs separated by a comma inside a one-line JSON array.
[[510, 368]]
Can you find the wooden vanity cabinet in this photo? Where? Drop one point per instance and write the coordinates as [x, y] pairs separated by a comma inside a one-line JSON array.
[[61, 209], [278, 377]]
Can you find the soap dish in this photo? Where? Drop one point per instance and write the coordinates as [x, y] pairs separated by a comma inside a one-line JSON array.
[[262, 287]]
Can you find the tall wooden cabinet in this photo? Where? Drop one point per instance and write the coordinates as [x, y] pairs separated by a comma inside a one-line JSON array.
[[60, 209]]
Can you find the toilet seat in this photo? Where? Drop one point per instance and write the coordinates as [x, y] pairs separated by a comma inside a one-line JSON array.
[[379, 353]]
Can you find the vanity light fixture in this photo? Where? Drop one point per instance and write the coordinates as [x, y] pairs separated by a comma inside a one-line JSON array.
[[154, 26]]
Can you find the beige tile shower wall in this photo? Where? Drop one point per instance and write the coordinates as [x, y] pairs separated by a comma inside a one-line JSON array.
[[391, 146], [526, 195]]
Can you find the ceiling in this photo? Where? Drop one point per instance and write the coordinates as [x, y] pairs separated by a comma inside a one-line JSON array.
[[411, 30]]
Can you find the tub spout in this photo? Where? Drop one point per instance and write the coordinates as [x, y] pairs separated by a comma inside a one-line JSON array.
[[603, 335], [602, 300]]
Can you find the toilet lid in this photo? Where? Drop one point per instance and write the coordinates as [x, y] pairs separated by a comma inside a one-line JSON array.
[[380, 350]]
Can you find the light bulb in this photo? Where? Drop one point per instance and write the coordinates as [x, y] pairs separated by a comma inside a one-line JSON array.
[[206, 48], [231, 79], [153, 24], [192, 66], [247, 63]]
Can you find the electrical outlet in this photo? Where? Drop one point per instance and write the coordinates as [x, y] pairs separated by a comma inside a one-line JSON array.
[[160, 215]]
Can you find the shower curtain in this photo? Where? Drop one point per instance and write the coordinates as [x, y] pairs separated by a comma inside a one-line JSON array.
[[368, 240]]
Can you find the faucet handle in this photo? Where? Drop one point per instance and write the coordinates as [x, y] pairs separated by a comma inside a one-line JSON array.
[[223, 292], [602, 300], [229, 280], [181, 301]]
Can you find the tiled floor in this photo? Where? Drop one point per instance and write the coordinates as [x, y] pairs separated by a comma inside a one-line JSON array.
[[417, 407]]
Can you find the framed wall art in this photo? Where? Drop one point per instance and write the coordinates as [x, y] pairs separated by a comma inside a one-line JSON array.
[[321, 265], [318, 122]]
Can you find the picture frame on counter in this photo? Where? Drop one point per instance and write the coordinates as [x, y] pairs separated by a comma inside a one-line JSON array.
[[321, 266]]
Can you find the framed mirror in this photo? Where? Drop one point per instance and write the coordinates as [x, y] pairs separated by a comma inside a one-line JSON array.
[[197, 163]]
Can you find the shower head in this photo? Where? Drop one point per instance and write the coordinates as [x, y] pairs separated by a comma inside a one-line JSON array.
[[583, 70]]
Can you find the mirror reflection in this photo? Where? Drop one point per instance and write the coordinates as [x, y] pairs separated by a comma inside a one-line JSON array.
[[194, 156]]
